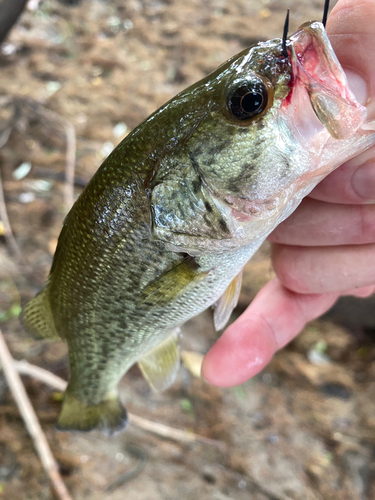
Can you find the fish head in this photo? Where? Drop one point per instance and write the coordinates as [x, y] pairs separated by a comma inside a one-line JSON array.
[[272, 123]]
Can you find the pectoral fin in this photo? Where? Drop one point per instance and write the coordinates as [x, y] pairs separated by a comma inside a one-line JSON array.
[[176, 281], [160, 365], [227, 302]]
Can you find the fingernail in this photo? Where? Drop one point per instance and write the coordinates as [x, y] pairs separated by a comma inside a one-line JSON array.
[[363, 181]]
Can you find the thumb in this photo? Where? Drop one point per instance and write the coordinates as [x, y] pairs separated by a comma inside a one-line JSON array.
[[275, 317]]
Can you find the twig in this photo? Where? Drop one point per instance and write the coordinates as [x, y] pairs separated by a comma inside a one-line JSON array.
[[159, 429], [6, 131], [7, 227], [31, 421], [25, 368], [70, 157], [171, 433], [4, 136], [141, 456], [71, 146], [70, 134], [5, 99]]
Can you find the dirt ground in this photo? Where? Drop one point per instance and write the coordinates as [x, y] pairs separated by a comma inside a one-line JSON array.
[[302, 429]]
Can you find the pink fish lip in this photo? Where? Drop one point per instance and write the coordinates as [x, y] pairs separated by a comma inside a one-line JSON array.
[[313, 59], [316, 67], [244, 210], [241, 216]]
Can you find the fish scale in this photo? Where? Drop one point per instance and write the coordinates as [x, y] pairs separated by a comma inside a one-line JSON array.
[[166, 225]]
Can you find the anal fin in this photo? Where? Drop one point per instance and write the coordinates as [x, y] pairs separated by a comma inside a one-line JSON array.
[[160, 365], [227, 302]]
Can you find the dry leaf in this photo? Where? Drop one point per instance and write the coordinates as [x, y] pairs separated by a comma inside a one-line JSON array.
[[193, 362]]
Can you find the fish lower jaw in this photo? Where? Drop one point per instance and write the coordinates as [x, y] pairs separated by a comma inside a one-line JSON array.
[[316, 67]]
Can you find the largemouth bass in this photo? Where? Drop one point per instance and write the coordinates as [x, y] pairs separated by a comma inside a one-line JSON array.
[[167, 223]]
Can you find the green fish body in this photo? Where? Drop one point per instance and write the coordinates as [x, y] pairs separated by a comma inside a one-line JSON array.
[[167, 223]]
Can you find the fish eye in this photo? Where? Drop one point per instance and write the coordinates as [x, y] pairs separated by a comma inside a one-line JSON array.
[[248, 100]]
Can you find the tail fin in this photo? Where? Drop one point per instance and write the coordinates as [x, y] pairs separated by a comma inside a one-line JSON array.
[[36, 317], [109, 416]]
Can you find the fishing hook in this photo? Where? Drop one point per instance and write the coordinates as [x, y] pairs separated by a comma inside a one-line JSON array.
[[285, 33], [325, 12]]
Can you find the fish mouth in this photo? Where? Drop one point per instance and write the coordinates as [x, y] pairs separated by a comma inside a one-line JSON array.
[[319, 112], [317, 68]]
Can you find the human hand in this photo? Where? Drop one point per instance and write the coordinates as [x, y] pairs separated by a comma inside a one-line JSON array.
[[327, 247]]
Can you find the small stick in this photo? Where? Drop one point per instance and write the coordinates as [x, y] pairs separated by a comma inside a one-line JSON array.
[[71, 142], [170, 433], [7, 227], [71, 147], [31, 421], [25, 368], [4, 136], [5, 133], [159, 429], [132, 473], [70, 162]]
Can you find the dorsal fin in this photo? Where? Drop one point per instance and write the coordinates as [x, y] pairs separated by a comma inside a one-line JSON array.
[[160, 365], [227, 302]]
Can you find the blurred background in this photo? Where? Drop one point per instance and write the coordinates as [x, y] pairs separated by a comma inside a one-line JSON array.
[[302, 429]]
